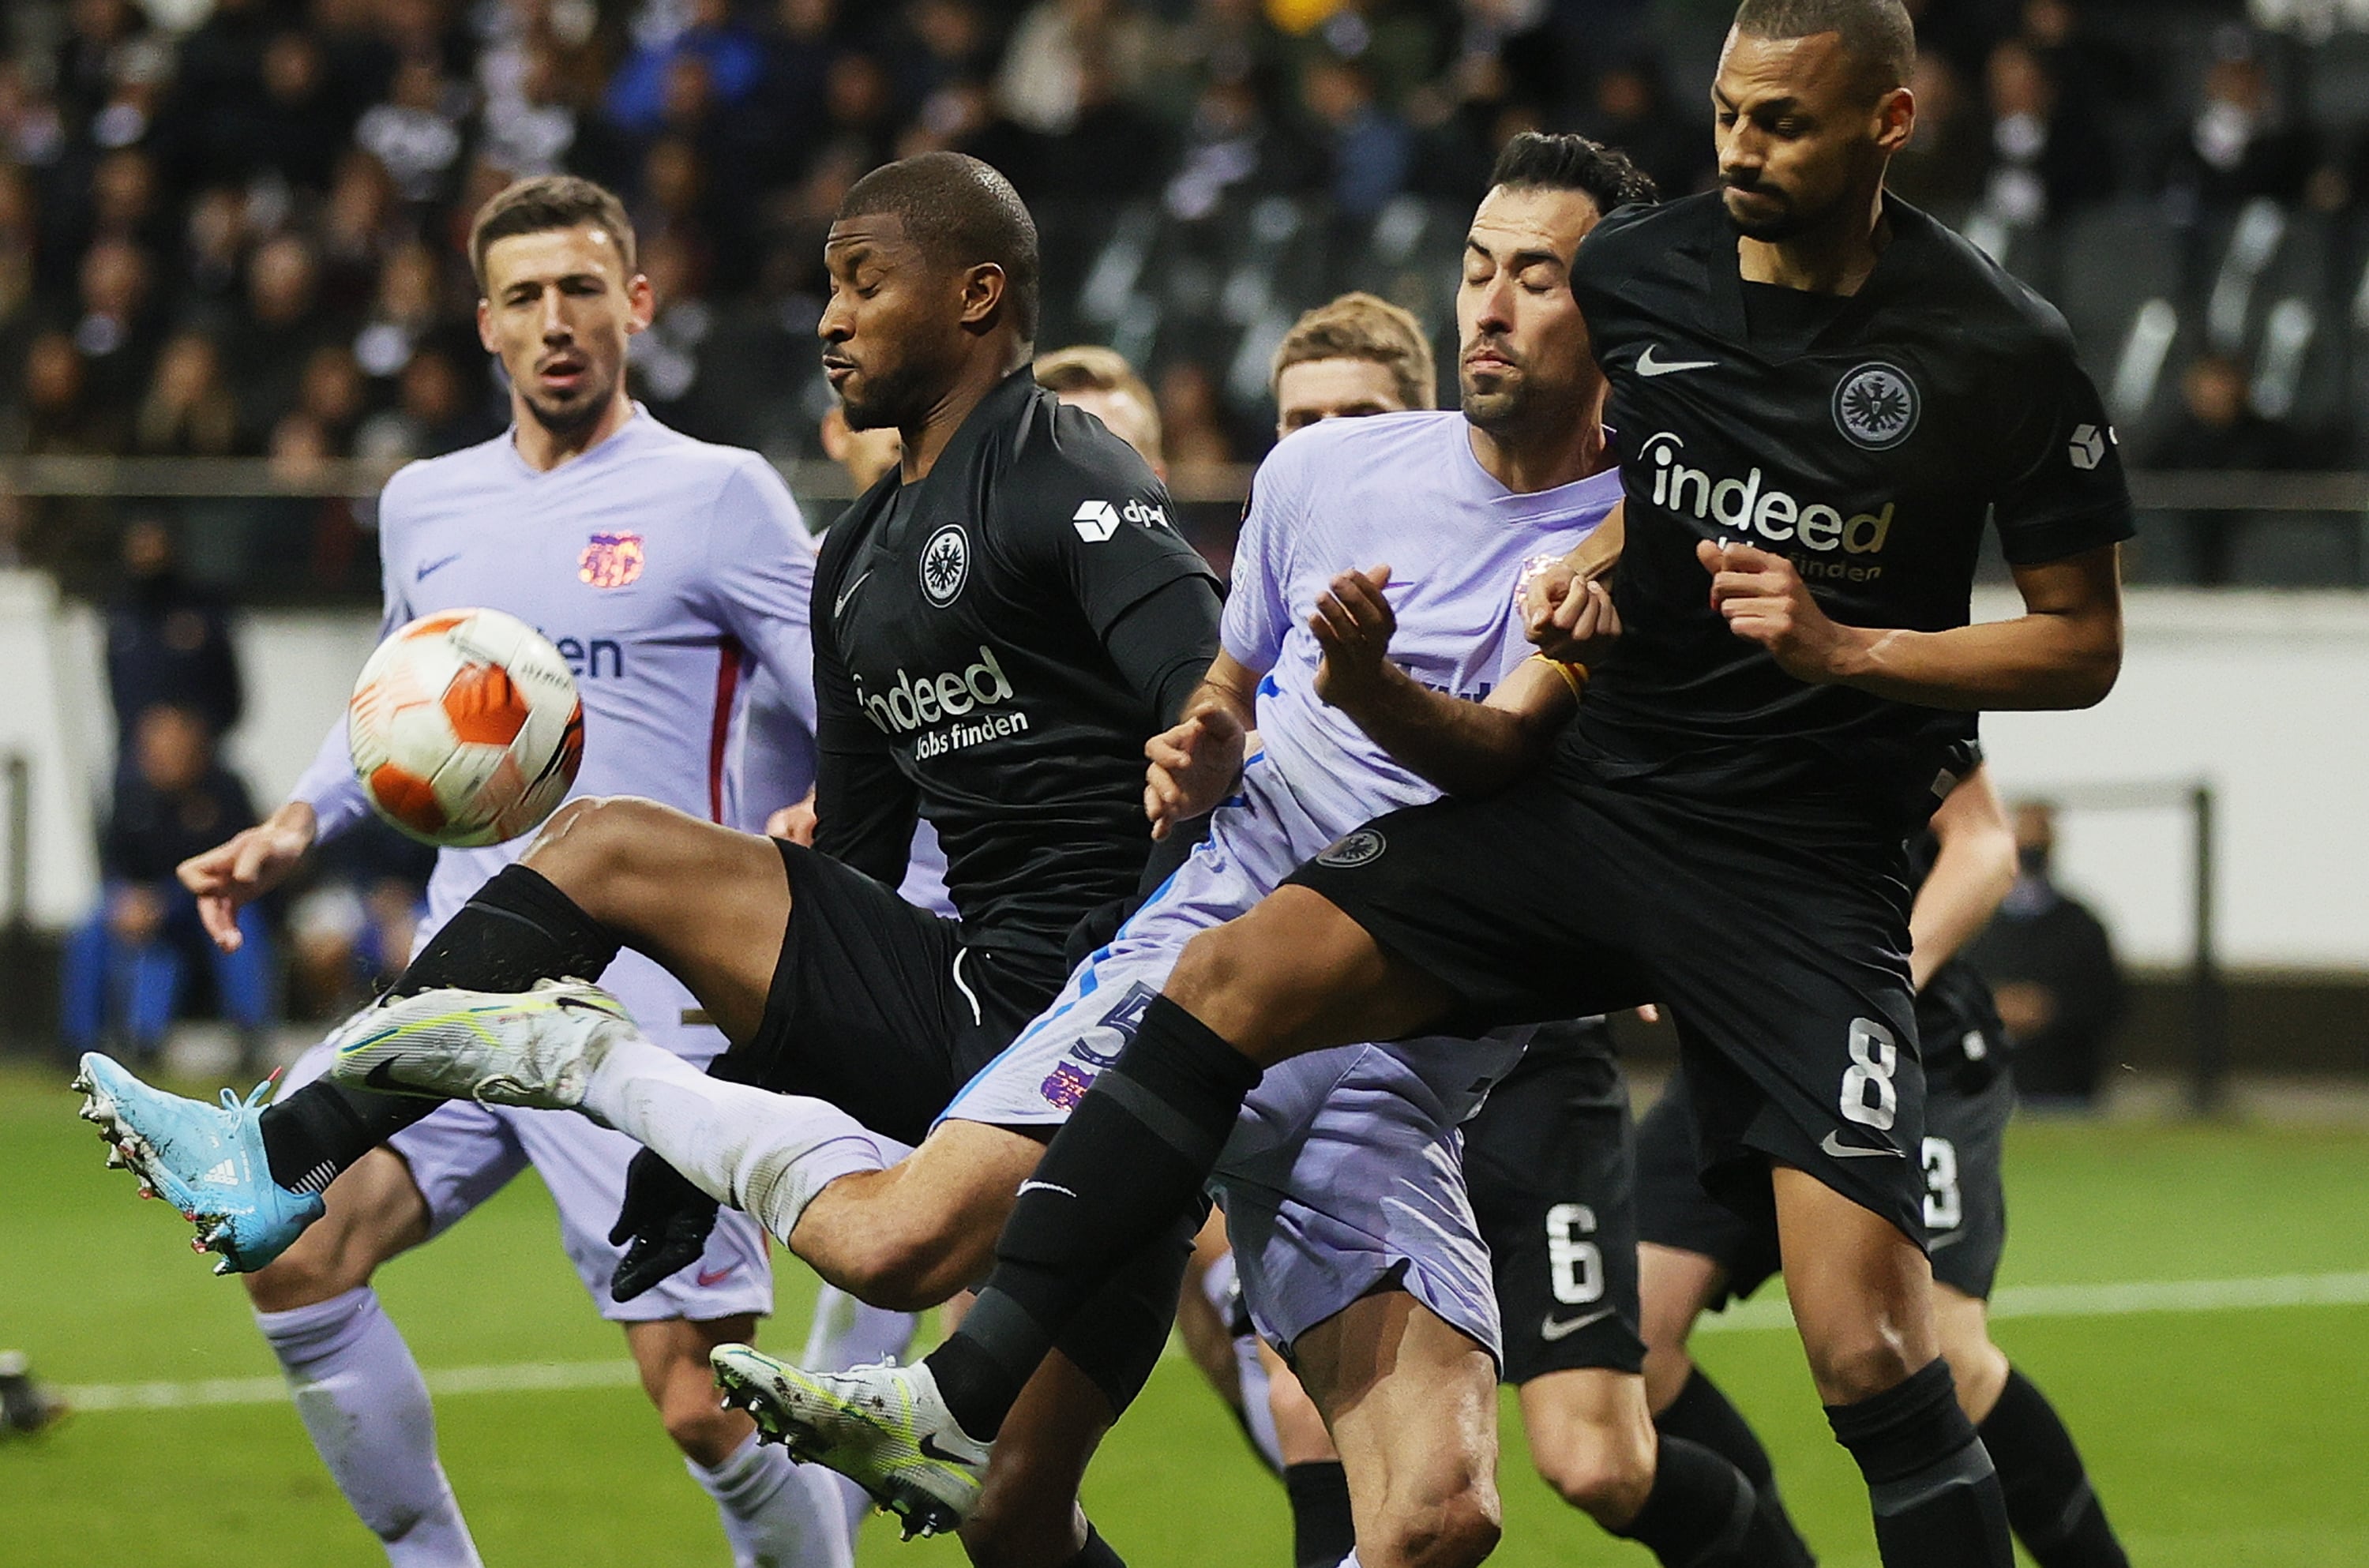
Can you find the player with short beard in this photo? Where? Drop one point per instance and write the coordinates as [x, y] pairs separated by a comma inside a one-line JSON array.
[[1815, 428]]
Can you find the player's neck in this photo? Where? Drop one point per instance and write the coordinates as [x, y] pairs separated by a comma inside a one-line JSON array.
[[1528, 462], [544, 449], [1835, 259], [980, 376]]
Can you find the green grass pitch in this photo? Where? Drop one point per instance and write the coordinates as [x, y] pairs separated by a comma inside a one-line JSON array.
[[2221, 1437]]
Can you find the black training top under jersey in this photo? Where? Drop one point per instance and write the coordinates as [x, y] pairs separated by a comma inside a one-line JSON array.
[[1866, 438], [962, 666]]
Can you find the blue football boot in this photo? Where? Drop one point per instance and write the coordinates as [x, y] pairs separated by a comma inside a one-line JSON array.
[[206, 1160]]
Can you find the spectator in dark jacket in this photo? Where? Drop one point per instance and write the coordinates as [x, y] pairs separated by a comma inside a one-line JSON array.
[[2052, 965], [167, 643], [126, 968]]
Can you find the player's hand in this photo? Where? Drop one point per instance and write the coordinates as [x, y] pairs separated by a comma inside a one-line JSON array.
[[1193, 766], [795, 822], [1767, 602], [1569, 620], [245, 868], [1354, 623], [663, 1226]]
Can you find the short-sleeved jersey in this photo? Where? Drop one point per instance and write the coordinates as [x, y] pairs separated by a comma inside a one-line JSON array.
[[1405, 490], [663, 568], [1942, 393], [959, 626]]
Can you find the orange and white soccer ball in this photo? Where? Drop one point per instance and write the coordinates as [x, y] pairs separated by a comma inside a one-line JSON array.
[[465, 727]]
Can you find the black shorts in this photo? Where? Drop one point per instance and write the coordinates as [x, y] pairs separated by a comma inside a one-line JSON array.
[[1779, 957], [883, 1009], [1547, 1164], [1965, 1200]]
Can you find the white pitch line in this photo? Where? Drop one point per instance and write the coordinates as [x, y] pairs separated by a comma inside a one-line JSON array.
[[2112, 1300], [2016, 1301]]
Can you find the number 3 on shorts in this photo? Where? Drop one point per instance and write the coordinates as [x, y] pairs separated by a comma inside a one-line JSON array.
[[1868, 1097]]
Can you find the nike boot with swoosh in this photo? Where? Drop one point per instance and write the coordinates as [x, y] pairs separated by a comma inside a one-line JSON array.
[[883, 1427], [206, 1160], [534, 1049]]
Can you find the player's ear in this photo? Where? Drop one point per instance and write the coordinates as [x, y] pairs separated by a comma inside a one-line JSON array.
[[486, 326], [1895, 120], [641, 303], [982, 295]]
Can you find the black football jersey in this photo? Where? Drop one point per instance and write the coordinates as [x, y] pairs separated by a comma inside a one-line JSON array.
[[958, 630], [1868, 443]]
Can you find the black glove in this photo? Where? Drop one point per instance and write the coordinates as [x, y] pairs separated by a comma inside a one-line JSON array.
[[663, 1226]]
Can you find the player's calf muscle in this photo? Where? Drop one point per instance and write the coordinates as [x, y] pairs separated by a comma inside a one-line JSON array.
[[910, 1236]]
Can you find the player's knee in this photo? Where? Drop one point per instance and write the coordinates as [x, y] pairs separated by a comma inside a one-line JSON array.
[[699, 1425], [1604, 1470], [328, 1260], [590, 843], [1452, 1528], [1858, 1364]]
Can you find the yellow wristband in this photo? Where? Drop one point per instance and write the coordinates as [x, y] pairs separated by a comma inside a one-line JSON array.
[[1574, 675]]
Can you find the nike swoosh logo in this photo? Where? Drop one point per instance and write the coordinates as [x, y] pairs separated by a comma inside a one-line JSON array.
[[438, 565], [1037, 1186], [1551, 1330], [930, 1450], [1649, 366], [716, 1276], [1841, 1150], [386, 1083], [840, 603]]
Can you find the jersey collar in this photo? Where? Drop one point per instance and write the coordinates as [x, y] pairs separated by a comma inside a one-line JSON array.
[[1895, 272]]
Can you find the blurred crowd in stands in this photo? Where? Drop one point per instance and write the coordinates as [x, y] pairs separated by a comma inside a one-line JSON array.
[[232, 227]]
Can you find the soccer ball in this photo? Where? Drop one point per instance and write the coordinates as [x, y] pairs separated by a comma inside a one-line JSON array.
[[465, 729]]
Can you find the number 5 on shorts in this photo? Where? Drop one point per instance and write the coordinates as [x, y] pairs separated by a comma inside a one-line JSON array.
[[1868, 1097]]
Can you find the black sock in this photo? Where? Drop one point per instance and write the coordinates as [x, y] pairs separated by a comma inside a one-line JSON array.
[[1698, 1514], [1702, 1414], [1323, 1532], [2049, 1502], [1935, 1496], [1132, 1157], [1096, 1552], [517, 930]]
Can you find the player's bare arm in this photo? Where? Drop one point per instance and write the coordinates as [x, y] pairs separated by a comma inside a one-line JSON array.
[[1197, 760], [1465, 748], [2063, 651], [248, 865], [1974, 865]]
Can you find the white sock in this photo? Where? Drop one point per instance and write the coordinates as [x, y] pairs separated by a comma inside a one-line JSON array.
[[1249, 1370], [361, 1396], [767, 1154], [777, 1514], [1351, 1560], [848, 1332]]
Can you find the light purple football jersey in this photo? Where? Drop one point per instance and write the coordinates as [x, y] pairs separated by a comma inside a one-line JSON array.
[[667, 571], [1405, 490]]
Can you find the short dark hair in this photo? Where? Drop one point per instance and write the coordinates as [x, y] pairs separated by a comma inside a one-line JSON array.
[[960, 212], [544, 202], [1364, 326], [1877, 34], [1536, 160]]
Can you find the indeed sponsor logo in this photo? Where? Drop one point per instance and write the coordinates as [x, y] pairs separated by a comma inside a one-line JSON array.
[[913, 704], [1752, 506]]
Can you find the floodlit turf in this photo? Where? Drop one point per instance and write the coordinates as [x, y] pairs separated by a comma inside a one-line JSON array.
[[2219, 1439]]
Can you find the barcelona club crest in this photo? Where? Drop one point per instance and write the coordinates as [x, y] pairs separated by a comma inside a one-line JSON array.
[[611, 560]]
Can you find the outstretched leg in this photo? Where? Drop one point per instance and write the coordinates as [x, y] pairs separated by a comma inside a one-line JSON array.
[[1294, 975], [705, 902]]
